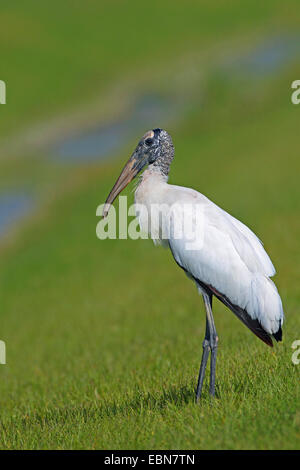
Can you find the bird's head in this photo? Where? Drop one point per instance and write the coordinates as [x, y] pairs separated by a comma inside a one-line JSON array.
[[155, 148]]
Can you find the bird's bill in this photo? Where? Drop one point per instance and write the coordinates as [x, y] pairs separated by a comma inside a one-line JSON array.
[[134, 165]]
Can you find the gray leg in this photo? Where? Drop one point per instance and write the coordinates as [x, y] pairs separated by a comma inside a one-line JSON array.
[[213, 360], [209, 344], [204, 359]]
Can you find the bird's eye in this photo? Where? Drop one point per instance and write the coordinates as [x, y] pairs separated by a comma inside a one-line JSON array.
[[149, 142]]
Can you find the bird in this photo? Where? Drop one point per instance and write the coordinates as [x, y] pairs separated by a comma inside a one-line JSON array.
[[223, 257]]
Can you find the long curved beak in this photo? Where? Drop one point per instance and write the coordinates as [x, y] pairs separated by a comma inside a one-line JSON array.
[[135, 164]]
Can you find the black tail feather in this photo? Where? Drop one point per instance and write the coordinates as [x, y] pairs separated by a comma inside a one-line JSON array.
[[252, 324], [278, 334]]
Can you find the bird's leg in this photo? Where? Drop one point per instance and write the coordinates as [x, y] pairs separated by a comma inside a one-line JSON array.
[[213, 342], [209, 344], [204, 359]]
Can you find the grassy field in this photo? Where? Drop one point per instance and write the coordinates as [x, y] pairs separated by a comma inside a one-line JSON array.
[[104, 338]]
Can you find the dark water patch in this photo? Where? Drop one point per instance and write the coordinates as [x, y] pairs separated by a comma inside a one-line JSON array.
[[100, 142], [13, 207], [267, 58]]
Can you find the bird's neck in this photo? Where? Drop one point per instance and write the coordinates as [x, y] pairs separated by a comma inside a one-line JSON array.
[[162, 163], [155, 178], [152, 177], [149, 196], [150, 184], [157, 171], [161, 167]]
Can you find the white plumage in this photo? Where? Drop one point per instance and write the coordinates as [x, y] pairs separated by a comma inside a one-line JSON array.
[[231, 258]]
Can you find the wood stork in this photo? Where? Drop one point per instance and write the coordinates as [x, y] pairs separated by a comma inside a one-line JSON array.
[[230, 263]]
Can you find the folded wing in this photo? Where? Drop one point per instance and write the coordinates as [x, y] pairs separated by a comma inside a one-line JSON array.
[[229, 258]]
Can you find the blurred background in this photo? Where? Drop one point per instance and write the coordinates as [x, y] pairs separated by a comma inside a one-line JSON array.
[[93, 325]]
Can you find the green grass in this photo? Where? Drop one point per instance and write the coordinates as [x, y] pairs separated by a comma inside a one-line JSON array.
[[104, 338]]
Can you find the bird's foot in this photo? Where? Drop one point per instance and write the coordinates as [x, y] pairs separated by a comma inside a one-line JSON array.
[[205, 354], [209, 346]]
